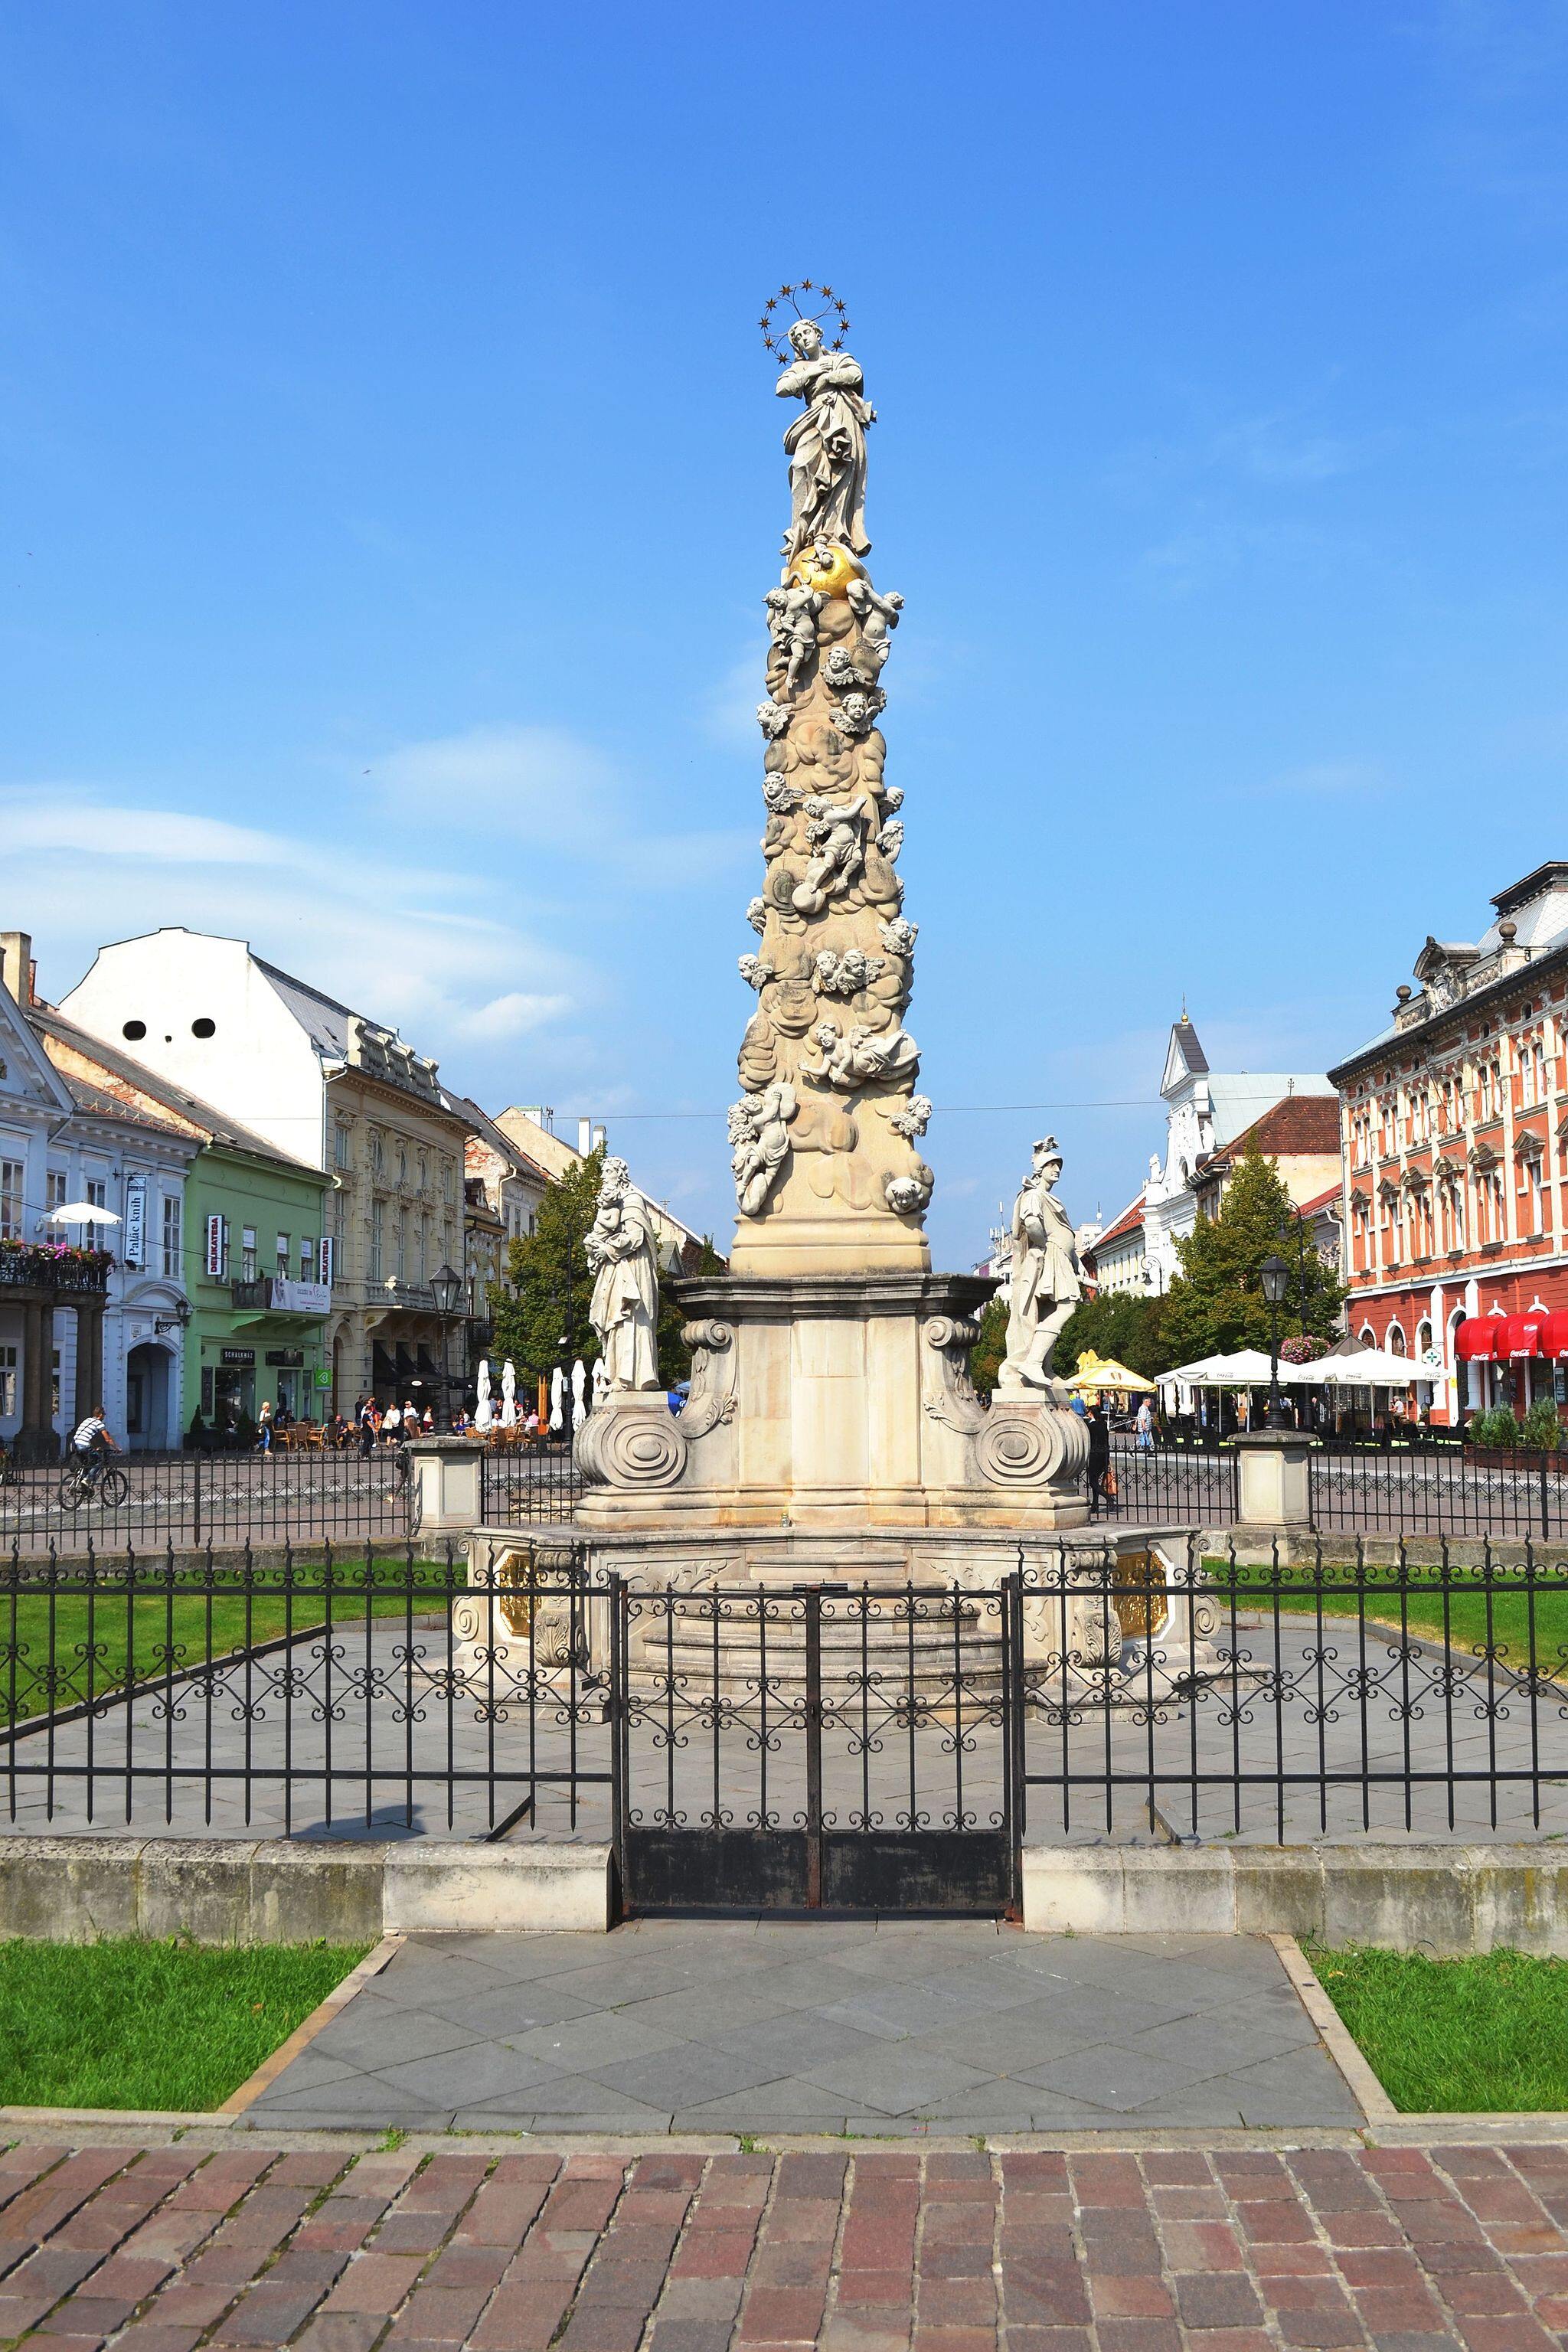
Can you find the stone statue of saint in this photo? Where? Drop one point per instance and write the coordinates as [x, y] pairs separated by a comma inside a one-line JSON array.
[[1046, 1280], [825, 446], [624, 1310]]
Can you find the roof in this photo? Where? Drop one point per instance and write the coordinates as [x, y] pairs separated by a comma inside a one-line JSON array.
[[499, 1140], [217, 1125], [1130, 1221], [322, 1016], [1536, 910], [1319, 1201], [1297, 1126]]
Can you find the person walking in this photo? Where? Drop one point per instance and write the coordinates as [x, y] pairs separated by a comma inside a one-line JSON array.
[[1099, 1456], [264, 1426], [1144, 1426]]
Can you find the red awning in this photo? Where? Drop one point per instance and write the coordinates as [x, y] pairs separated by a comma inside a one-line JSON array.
[[1554, 1334], [1525, 1333], [1479, 1337]]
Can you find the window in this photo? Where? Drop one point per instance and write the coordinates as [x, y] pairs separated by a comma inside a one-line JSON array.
[[55, 1188], [10, 1199], [98, 1192], [7, 1382], [202, 1027], [307, 1259], [247, 1254], [283, 1250], [446, 1181], [377, 1237], [341, 1145], [377, 1153], [172, 1238], [424, 1172], [401, 1167], [424, 1250], [134, 1029], [400, 1266]]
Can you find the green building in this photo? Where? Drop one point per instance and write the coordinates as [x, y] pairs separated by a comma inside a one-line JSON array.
[[258, 1277]]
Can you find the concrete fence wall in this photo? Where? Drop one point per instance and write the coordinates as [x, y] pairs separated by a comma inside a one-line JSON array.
[[1409, 1897], [271, 1891]]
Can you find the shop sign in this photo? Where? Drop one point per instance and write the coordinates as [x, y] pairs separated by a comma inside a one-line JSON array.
[[134, 1240], [290, 1298], [324, 1261], [288, 1359], [236, 1354], [323, 1376], [217, 1246]]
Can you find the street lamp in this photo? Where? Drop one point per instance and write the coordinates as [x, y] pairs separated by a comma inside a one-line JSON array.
[[448, 1287], [1276, 1276]]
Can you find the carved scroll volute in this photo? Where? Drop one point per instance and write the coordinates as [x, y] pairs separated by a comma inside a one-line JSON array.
[[948, 1390], [712, 1397]]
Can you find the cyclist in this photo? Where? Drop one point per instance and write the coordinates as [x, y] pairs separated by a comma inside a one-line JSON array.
[[91, 1443]]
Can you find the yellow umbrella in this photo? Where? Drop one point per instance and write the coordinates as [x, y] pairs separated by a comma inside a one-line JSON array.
[[1101, 1372]]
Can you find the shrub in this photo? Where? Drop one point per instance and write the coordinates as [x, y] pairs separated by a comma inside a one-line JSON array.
[[1494, 1427], [1541, 1426]]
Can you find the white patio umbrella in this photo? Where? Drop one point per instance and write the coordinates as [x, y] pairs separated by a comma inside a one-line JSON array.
[[1247, 1369], [1372, 1368], [485, 1413], [81, 1213], [509, 1394], [579, 1389], [557, 1389]]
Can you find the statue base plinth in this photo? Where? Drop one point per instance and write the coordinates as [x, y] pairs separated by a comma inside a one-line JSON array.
[[848, 1246], [833, 1407]]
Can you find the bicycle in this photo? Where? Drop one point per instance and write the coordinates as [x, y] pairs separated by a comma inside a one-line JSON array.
[[97, 1475]]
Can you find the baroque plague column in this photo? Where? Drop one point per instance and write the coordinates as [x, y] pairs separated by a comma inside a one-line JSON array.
[[830, 1390]]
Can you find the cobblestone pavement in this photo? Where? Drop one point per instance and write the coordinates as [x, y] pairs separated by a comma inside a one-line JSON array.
[[1402, 2249]]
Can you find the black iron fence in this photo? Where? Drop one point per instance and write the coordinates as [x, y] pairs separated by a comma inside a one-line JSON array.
[[191, 1498], [843, 1745], [1189, 1484], [1449, 1489], [519, 1482]]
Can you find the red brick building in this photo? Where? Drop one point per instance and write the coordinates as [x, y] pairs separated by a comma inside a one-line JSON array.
[[1454, 1136]]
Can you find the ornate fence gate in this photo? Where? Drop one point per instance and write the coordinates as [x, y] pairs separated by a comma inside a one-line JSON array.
[[821, 1749]]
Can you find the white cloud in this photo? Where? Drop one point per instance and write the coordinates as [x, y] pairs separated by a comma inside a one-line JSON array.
[[556, 792], [511, 1015], [59, 818]]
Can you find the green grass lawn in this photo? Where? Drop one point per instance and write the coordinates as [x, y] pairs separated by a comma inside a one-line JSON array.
[[110, 1636], [1456, 2037], [1474, 1619], [126, 2023]]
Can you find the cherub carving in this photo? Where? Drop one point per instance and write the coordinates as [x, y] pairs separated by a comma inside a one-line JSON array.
[[898, 936], [836, 835], [774, 718], [861, 1058], [793, 615], [906, 1195], [857, 714], [759, 1134], [755, 971], [846, 974], [890, 840], [912, 1117], [878, 616], [757, 916]]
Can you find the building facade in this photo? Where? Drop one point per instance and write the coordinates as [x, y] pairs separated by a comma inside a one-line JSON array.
[[1454, 1137], [331, 1088], [532, 1129], [1206, 1113]]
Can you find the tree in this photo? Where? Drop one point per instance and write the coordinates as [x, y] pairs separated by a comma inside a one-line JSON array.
[[985, 1357], [541, 1310], [1120, 1325], [1215, 1305]]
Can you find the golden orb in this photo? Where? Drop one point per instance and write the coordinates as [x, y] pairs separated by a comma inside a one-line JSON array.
[[829, 579]]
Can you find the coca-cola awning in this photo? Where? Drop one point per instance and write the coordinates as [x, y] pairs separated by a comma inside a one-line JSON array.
[[1523, 1335], [1554, 1334], [1480, 1337]]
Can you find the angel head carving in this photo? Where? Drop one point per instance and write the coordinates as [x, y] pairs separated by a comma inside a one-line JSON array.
[[773, 717], [757, 916], [755, 971], [857, 713], [898, 936]]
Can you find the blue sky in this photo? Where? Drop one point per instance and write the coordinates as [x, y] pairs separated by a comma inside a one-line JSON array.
[[391, 477]]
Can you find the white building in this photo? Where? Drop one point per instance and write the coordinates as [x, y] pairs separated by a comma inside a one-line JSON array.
[[73, 1334], [1204, 1111]]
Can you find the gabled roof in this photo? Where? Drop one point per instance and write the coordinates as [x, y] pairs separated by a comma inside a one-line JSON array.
[[325, 1021], [1185, 1057], [499, 1140], [1130, 1221], [187, 1113], [1297, 1126], [1319, 1201], [21, 1046]]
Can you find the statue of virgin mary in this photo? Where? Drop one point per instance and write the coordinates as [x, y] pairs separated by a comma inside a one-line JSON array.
[[826, 446]]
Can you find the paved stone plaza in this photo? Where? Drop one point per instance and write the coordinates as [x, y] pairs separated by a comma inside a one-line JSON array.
[[344, 2248], [379, 1722], [821, 2026]]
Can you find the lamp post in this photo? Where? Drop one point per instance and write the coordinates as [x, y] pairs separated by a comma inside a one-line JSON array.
[[1276, 1281], [447, 1287]]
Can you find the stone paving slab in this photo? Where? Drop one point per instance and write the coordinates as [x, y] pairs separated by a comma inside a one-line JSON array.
[[855, 2026], [339, 2249]]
